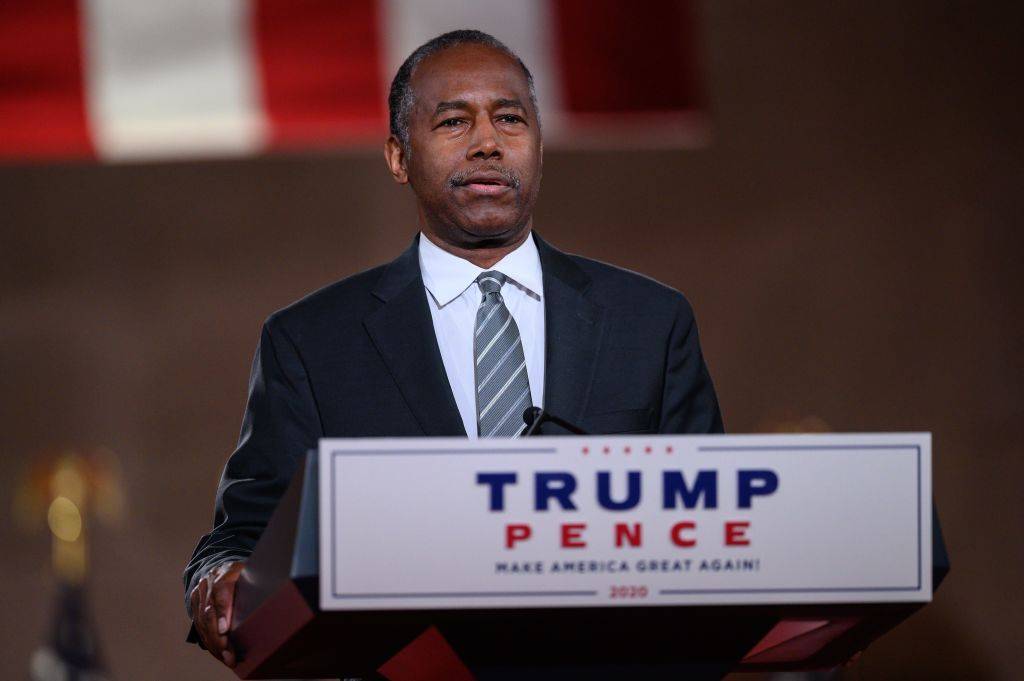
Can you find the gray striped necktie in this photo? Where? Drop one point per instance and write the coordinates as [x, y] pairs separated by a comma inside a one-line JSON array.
[[502, 385]]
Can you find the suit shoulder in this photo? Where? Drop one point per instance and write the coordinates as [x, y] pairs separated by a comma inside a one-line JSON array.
[[618, 286], [347, 299]]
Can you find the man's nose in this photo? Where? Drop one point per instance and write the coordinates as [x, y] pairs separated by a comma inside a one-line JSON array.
[[485, 143]]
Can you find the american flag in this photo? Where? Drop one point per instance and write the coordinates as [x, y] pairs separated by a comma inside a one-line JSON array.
[[130, 79]]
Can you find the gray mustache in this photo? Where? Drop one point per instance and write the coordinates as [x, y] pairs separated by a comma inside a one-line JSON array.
[[510, 176]]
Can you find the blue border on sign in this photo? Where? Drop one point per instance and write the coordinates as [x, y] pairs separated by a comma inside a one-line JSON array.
[[853, 589], [663, 592], [453, 594]]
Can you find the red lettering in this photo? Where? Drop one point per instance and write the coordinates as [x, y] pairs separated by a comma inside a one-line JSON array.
[[572, 536], [677, 534], [624, 533], [516, 533], [736, 533]]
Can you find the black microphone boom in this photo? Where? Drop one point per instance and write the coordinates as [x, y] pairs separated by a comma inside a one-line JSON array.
[[535, 417]]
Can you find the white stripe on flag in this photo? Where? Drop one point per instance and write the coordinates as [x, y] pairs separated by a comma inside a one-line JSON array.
[[526, 26], [171, 78]]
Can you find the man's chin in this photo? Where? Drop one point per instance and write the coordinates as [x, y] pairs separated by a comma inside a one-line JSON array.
[[487, 234]]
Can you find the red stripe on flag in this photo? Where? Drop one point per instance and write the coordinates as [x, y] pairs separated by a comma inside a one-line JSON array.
[[42, 105], [320, 67], [626, 57]]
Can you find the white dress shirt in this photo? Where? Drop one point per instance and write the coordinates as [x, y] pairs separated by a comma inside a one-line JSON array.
[[454, 296]]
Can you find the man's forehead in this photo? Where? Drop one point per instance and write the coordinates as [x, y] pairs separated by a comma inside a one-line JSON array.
[[469, 73]]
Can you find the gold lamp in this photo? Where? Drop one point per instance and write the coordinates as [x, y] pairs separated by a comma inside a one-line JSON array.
[[66, 491]]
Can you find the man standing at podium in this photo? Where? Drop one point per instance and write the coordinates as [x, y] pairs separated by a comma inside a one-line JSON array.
[[476, 321]]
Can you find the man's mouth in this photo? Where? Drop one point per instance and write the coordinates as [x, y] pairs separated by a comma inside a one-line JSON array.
[[486, 182], [486, 188]]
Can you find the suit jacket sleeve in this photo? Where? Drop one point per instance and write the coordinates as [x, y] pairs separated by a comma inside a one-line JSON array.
[[689, 403], [281, 423]]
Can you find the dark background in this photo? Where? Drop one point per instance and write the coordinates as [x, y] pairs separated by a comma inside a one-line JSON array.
[[849, 237]]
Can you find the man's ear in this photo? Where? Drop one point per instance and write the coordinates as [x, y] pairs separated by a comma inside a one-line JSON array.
[[394, 156]]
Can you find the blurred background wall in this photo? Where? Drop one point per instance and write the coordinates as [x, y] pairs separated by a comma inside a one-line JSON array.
[[849, 237]]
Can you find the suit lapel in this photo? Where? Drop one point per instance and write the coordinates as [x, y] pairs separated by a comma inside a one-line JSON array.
[[403, 333], [573, 329]]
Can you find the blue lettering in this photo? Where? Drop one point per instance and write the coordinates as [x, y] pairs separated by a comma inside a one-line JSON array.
[[604, 494], [497, 482], [674, 487], [755, 483], [558, 486]]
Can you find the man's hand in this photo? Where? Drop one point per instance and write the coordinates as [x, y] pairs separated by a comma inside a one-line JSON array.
[[212, 600]]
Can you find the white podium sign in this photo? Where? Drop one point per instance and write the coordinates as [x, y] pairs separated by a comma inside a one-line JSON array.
[[624, 520]]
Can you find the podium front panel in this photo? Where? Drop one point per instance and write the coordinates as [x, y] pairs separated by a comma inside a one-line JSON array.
[[624, 521]]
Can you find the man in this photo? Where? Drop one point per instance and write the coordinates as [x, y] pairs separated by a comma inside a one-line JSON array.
[[476, 321]]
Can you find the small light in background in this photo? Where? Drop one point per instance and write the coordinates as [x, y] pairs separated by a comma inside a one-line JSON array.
[[64, 519], [67, 490]]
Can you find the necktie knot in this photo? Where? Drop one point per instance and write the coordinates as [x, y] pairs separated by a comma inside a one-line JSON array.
[[491, 282]]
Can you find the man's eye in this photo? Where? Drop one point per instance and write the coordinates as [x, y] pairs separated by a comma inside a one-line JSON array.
[[511, 118], [451, 122]]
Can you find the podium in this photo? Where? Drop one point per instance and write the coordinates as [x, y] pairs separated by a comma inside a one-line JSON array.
[[280, 630]]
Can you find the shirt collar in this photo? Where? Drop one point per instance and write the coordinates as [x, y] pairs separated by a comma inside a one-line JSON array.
[[447, 276]]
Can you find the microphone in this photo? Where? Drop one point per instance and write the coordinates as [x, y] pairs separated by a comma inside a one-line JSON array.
[[535, 417]]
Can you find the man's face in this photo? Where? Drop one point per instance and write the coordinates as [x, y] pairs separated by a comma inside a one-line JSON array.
[[475, 147]]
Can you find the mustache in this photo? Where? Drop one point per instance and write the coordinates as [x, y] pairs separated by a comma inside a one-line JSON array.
[[510, 176]]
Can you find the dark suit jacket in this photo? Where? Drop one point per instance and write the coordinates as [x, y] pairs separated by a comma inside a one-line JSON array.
[[360, 359]]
